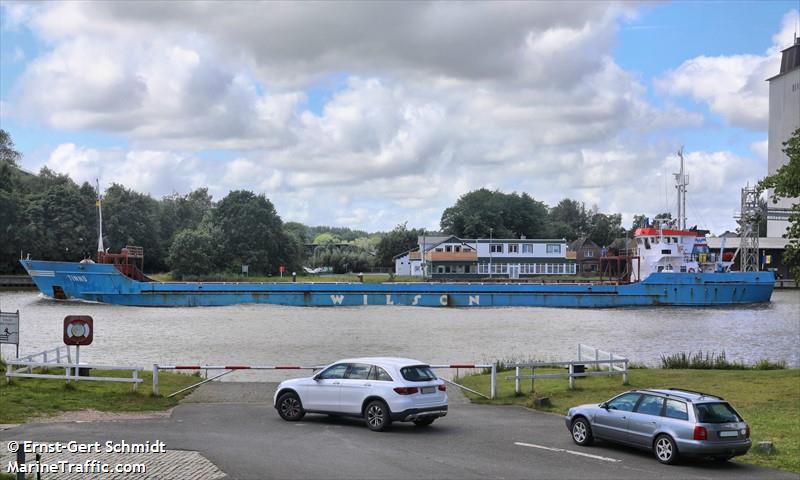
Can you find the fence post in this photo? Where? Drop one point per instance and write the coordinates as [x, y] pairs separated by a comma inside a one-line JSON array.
[[155, 379], [610, 362], [625, 372], [571, 378], [44, 356], [517, 387], [596, 359], [135, 383], [579, 352], [493, 388]]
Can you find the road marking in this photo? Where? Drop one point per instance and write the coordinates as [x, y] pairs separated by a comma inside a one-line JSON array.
[[596, 457]]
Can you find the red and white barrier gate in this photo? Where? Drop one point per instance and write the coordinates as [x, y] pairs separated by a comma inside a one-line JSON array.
[[231, 368]]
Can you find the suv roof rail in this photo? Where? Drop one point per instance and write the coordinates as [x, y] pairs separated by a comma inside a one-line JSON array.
[[696, 392]]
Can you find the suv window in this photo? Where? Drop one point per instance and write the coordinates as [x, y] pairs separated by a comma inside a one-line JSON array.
[[624, 402], [336, 371], [358, 371], [716, 413], [418, 373], [377, 373], [650, 405]]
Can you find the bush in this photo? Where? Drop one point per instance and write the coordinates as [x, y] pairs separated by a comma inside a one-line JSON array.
[[712, 361]]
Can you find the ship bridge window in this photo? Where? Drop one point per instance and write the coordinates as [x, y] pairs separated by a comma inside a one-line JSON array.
[[666, 251], [647, 243], [674, 239]]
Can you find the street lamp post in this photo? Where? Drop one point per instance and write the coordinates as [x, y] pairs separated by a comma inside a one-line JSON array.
[[490, 252]]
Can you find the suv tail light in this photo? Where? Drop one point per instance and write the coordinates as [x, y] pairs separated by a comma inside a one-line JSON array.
[[443, 388], [406, 390], [747, 432], [700, 433]]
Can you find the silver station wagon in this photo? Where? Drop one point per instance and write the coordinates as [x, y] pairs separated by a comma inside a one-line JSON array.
[[670, 423]]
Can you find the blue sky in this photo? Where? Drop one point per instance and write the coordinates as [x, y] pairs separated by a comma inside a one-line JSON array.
[[370, 115]]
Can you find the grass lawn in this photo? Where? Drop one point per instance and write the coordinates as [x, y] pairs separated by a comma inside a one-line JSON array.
[[26, 398], [768, 400]]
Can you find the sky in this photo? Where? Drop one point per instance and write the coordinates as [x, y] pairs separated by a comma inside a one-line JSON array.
[[371, 114]]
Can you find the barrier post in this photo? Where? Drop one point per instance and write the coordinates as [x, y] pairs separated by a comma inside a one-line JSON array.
[[571, 378], [135, 383], [517, 387], [610, 362], [155, 379], [493, 388]]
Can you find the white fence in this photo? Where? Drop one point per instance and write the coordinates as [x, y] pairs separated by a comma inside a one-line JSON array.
[[23, 368], [616, 365]]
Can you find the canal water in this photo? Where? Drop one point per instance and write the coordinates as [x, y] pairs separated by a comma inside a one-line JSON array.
[[270, 334]]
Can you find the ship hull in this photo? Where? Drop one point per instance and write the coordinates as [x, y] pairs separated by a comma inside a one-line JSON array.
[[104, 283]]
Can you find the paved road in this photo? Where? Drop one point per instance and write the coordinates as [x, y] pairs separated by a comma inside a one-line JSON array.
[[249, 441]]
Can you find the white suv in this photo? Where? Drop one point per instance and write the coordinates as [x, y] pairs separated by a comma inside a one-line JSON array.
[[380, 390]]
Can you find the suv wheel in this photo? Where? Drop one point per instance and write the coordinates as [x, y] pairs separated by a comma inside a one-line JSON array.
[[290, 408], [665, 450], [376, 416], [582, 432]]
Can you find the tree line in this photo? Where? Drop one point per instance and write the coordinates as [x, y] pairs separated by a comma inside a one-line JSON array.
[[51, 217]]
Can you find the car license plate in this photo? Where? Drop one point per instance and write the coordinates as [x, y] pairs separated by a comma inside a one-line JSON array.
[[428, 389], [729, 433]]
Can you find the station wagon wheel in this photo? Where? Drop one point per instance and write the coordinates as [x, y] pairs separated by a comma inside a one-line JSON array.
[[290, 408], [582, 432], [377, 416], [665, 450]]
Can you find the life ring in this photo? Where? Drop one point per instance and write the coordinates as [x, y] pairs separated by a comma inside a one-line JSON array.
[[691, 270]]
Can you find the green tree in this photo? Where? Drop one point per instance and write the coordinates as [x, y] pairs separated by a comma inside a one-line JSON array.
[[397, 241], [193, 252], [786, 184], [568, 219], [252, 231], [605, 228], [7, 152], [507, 215], [132, 218], [183, 212]]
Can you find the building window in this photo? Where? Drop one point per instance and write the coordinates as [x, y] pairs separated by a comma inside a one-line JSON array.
[[588, 253], [553, 248], [527, 248], [440, 269], [513, 248], [457, 248], [448, 248], [496, 248], [439, 249]]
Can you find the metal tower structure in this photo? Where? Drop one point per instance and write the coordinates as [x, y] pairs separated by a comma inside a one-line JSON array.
[[681, 182], [748, 229]]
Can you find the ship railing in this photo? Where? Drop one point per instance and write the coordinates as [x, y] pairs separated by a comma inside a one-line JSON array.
[[72, 371], [605, 363]]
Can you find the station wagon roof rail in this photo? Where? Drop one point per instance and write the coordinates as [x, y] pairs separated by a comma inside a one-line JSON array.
[[664, 393], [696, 392]]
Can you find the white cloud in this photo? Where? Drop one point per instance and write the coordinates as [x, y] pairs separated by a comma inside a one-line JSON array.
[[498, 95], [733, 86]]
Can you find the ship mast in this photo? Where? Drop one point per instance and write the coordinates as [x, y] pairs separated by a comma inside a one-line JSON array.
[[681, 181], [100, 248]]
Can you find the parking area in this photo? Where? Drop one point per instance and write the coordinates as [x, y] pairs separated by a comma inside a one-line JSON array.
[[234, 426]]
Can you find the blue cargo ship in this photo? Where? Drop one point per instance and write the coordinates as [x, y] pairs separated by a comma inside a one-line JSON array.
[[666, 267], [116, 283]]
